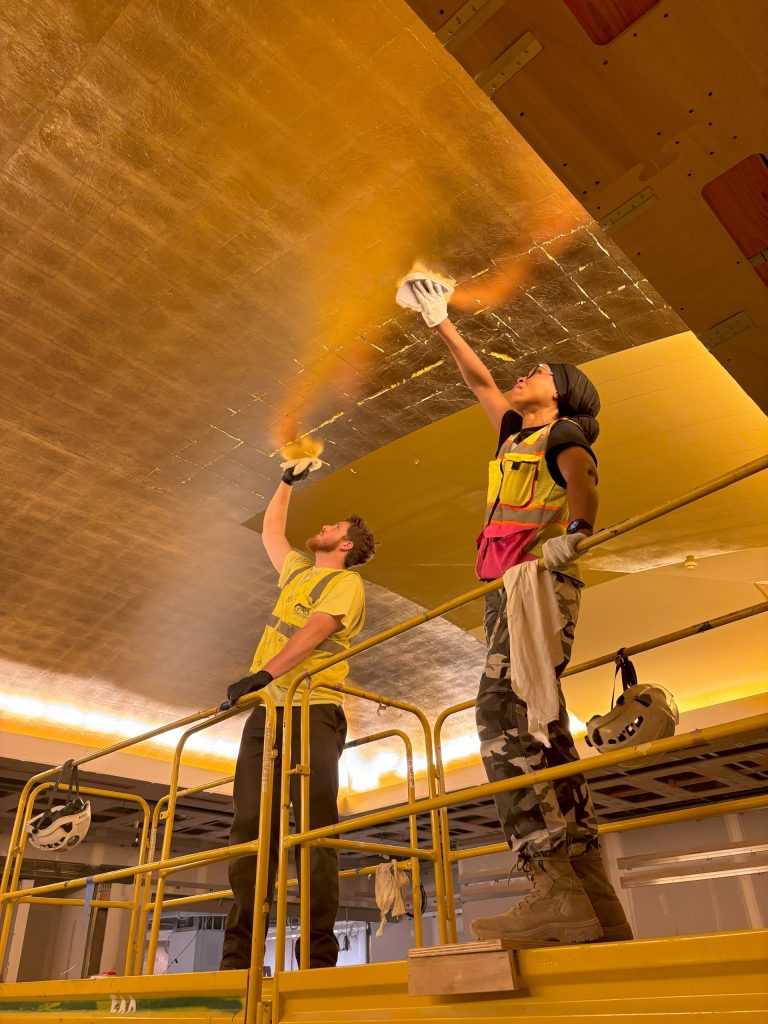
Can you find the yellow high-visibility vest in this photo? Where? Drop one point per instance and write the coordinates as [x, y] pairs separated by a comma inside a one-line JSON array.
[[306, 589], [522, 493]]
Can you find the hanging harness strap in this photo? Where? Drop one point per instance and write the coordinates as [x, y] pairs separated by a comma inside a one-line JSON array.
[[54, 789], [628, 673], [67, 766]]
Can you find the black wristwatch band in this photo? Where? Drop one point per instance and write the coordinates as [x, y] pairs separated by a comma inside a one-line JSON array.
[[578, 525]]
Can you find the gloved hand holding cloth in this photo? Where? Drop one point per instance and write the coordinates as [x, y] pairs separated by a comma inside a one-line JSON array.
[[559, 552], [426, 293], [295, 470], [433, 301]]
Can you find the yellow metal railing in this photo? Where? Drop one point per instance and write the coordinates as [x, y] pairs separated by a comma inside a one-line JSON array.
[[413, 853], [588, 766], [15, 858], [410, 780], [451, 856], [306, 838], [160, 814], [142, 871]]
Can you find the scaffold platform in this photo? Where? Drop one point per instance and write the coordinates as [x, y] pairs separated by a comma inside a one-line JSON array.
[[685, 980]]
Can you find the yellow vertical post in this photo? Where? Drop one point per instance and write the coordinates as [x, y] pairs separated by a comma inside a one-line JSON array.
[[305, 851], [445, 836], [12, 866], [253, 1002], [282, 862], [157, 905], [439, 867], [137, 894], [413, 833], [140, 936], [214, 717]]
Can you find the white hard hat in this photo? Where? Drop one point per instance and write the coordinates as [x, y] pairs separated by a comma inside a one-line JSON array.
[[642, 713], [62, 826]]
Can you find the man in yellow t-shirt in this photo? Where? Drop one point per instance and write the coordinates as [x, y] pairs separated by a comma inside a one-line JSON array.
[[320, 608]]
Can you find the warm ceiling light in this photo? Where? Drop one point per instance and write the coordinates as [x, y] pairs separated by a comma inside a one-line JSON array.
[[56, 716], [364, 771]]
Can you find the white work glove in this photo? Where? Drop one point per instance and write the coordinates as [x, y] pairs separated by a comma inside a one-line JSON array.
[[558, 552], [432, 301]]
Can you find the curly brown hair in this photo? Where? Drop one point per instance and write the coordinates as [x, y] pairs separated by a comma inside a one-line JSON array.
[[363, 545]]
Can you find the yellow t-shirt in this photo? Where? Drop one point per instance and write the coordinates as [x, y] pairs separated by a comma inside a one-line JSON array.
[[301, 594]]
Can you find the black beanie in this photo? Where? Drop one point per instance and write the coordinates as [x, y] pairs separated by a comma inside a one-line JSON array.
[[577, 398]]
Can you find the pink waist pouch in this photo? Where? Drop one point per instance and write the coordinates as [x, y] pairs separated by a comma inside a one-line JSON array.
[[498, 549]]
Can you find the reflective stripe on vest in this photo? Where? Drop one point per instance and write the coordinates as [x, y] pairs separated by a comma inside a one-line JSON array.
[[521, 489], [522, 492], [287, 629], [320, 587]]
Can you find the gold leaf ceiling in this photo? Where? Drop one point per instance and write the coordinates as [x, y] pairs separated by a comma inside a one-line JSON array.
[[204, 211]]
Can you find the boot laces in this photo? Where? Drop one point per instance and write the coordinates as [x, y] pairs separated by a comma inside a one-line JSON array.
[[525, 864]]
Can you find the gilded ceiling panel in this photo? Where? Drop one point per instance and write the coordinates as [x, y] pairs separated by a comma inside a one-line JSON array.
[[204, 209]]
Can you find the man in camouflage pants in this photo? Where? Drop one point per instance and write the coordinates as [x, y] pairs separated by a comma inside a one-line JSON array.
[[542, 502]]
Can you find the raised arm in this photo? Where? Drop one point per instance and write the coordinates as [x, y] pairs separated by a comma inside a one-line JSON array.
[[273, 531], [476, 374], [275, 518]]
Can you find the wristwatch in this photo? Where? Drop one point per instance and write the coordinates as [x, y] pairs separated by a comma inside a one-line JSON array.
[[579, 526]]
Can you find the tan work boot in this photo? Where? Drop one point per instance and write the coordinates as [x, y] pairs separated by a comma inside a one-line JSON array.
[[556, 910], [591, 873]]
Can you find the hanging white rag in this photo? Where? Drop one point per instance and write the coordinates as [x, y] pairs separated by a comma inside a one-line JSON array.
[[535, 620], [299, 465], [389, 881]]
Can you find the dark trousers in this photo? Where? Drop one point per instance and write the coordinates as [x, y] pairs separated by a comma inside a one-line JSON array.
[[328, 732]]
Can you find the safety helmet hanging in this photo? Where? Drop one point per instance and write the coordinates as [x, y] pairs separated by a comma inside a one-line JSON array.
[[643, 712], [61, 826]]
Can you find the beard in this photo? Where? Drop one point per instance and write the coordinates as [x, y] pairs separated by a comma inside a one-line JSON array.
[[318, 543]]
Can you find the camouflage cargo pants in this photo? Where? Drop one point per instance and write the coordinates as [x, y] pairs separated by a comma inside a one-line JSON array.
[[539, 818]]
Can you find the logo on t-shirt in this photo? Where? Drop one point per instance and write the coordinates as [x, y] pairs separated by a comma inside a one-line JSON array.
[[302, 611]]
